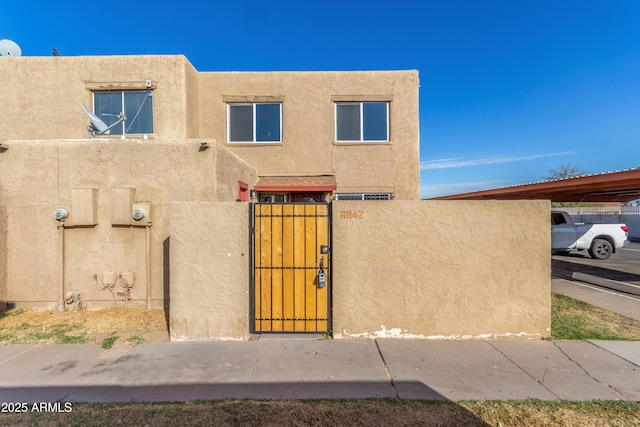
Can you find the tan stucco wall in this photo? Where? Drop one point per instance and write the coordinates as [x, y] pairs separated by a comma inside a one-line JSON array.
[[308, 126], [399, 269], [41, 96], [441, 269], [209, 271], [3, 257], [38, 176]]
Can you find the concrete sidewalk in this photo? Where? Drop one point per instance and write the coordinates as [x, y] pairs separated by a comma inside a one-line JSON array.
[[288, 368], [309, 369], [626, 305]]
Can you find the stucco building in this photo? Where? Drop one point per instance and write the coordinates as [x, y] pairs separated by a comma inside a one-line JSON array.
[[153, 214], [188, 136], [355, 132]]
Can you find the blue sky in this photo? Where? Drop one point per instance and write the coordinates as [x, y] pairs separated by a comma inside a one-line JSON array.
[[509, 89]]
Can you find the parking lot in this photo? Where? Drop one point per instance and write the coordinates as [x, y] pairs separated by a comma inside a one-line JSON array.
[[623, 266]]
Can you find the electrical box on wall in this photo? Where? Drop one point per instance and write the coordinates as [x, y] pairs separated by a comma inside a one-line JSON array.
[[84, 206], [141, 213], [121, 203], [109, 278]]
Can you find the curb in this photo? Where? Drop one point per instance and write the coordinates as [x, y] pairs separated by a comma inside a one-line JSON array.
[[607, 283]]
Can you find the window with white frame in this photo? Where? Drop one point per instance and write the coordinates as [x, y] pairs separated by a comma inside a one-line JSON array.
[[254, 122], [362, 121], [137, 106]]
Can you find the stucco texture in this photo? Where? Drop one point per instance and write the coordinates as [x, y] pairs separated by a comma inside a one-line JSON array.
[[209, 271], [3, 256], [441, 269], [412, 269], [41, 97], [308, 144], [44, 93], [39, 176]]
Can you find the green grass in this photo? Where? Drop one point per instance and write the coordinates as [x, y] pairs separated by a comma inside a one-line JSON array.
[[135, 340], [362, 412], [55, 334], [576, 320], [108, 342]]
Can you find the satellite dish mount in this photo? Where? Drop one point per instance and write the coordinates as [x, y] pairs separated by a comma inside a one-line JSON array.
[[97, 126], [9, 48]]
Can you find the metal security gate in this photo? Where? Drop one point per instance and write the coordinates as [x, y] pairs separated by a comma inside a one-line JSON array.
[[290, 267]]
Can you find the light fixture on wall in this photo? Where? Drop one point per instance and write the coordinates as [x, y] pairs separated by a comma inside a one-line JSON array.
[[253, 194], [204, 146]]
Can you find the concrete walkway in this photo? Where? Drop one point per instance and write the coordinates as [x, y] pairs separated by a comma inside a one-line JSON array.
[[626, 305], [309, 369], [288, 368]]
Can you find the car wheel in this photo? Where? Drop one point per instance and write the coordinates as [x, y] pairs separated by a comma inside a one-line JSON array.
[[600, 249]]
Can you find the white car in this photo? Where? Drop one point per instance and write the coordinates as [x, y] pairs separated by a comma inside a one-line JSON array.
[[601, 240]]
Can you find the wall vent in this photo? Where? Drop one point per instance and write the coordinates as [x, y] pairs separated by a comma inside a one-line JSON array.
[[363, 196]]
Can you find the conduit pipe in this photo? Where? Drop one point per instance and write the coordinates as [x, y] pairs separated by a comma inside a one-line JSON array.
[[61, 266], [148, 263]]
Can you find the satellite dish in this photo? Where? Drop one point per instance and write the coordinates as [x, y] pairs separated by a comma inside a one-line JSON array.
[[9, 48], [97, 126]]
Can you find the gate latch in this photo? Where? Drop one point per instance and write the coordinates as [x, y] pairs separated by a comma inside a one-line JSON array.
[[322, 279], [324, 249]]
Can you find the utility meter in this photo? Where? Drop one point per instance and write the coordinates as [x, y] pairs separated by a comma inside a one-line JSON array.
[[138, 214], [60, 214]]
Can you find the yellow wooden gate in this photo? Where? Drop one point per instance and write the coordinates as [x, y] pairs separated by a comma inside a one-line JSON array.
[[290, 271]]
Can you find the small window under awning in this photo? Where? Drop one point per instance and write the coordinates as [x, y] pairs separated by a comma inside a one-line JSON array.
[[316, 183]]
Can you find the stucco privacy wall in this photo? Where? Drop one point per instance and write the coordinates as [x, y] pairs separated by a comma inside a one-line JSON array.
[[209, 271], [309, 144], [400, 268], [435, 268], [38, 177]]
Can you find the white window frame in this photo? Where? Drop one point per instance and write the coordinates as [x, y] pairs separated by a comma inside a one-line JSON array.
[[254, 131], [361, 104]]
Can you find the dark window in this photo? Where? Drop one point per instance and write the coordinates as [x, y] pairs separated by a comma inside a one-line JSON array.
[[258, 122], [137, 106], [362, 121]]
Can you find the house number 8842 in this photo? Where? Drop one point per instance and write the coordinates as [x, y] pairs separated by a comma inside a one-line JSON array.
[[355, 214]]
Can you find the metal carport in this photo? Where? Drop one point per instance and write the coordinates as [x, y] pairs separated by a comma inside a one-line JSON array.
[[617, 186]]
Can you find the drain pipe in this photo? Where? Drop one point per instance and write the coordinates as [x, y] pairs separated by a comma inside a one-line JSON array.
[[140, 211], [60, 214]]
